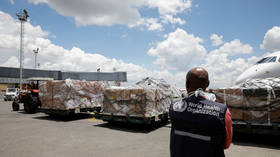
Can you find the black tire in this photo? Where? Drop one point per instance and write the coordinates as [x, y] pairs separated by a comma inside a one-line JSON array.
[[5, 99], [30, 104], [15, 106], [164, 121], [52, 115]]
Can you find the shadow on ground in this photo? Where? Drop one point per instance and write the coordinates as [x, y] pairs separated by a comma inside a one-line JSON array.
[[22, 111], [254, 140], [64, 118], [131, 127]]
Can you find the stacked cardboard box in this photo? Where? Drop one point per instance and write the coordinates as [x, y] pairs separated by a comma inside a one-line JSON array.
[[250, 104], [71, 94], [149, 97]]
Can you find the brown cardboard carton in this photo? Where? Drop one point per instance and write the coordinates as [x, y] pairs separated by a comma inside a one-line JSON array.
[[71, 94], [251, 107], [135, 101]]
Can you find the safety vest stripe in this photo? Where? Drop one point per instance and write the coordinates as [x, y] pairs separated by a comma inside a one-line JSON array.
[[196, 136]]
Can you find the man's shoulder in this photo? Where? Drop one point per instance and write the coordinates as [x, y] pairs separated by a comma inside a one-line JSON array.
[[223, 107], [182, 103], [204, 100], [214, 102]]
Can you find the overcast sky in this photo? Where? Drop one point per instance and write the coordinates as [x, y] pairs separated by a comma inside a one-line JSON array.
[[158, 38]]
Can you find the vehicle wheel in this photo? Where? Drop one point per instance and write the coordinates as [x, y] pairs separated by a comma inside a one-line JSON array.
[[15, 106], [164, 121], [5, 99], [30, 104], [51, 115]]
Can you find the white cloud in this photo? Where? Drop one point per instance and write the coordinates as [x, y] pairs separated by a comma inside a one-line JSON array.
[[9, 37], [12, 2], [38, 1], [170, 19], [112, 12], [53, 36], [124, 36], [271, 39], [235, 47], [216, 40], [55, 57], [96, 12], [151, 24], [168, 9], [223, 71], [11, 62], [171, 7], [178, 51]]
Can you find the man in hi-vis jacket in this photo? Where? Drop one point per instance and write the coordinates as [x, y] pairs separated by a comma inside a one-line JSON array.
[[201, 127]]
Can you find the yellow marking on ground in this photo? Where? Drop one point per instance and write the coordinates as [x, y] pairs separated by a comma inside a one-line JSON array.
[[94, 120]]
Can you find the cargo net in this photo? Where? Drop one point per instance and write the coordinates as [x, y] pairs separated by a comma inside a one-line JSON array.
[[148, 97], [267, 83], [164, 88], [256, 100], [72, 94]]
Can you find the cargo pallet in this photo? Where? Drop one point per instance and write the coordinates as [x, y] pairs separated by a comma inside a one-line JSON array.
[[68, 111], [256, 128], [132, 119]]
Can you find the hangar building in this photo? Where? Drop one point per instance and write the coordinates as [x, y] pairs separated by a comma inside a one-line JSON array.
[[9, 77]]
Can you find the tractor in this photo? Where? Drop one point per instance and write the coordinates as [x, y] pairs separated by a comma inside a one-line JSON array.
[[30, 96]]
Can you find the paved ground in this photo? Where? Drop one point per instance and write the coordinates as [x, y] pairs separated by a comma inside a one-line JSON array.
[[28, 135]]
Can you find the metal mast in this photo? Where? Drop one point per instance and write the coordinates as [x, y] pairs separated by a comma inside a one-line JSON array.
[[36, 53], [22, 16]]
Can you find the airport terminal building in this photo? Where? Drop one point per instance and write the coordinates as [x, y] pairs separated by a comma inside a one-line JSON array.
[[9, 77]]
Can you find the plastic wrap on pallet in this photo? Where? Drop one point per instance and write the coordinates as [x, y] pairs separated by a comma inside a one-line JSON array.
[[147, 98], [250, 107], [273, 82], [72, 94]]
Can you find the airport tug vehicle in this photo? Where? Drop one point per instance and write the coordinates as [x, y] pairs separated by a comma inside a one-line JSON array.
[[30, 96]]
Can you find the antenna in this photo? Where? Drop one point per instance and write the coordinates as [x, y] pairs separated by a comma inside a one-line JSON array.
[[22, 16]]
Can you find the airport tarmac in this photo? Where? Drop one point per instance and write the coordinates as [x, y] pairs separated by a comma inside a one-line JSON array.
[[25, 135]]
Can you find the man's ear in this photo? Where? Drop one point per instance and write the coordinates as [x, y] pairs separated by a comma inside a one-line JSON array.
[[187, 84], [207, 84]]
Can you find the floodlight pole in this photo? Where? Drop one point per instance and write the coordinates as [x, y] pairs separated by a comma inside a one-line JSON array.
[[36, 53], [22, 16], [21, 53]]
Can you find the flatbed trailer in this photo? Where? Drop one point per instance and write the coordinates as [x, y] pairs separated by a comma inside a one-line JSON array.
[[69, 111], [256, 128], [67, 97], [132, 119]]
